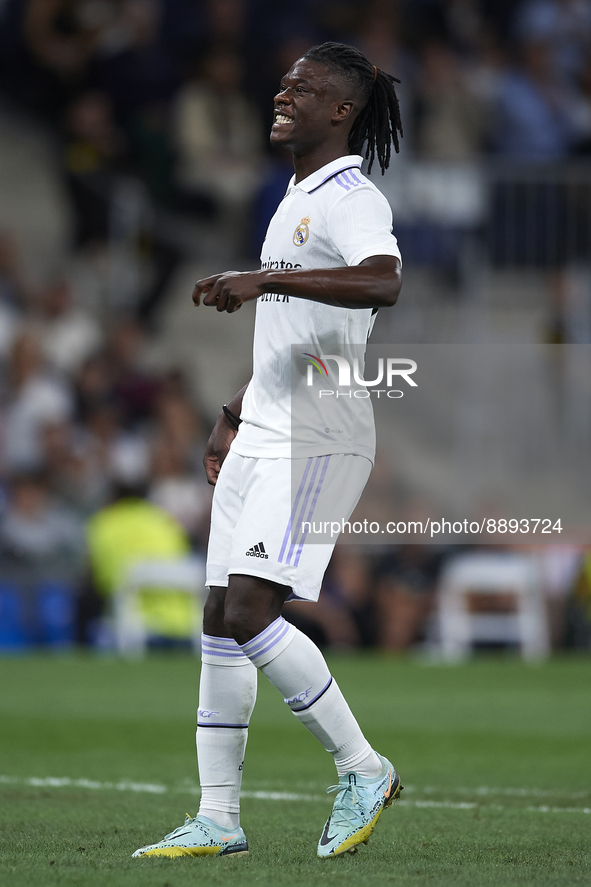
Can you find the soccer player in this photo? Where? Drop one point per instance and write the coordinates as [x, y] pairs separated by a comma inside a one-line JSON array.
[[329, 262]]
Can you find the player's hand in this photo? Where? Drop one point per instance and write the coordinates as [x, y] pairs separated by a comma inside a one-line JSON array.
[[217, 448], [228, 291]]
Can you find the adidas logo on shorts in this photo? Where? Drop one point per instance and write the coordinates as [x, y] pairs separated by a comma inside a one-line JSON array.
[[258, 551]]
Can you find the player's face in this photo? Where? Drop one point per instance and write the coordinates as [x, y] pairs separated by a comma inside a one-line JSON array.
[[305, 108]]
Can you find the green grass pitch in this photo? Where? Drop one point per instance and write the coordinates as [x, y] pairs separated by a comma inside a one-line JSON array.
[[97, 758]]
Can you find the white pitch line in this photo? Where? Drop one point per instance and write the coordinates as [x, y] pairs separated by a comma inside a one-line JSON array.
[[484, 790], [558, 809], [126, 785], [280, 796], [450, 805]]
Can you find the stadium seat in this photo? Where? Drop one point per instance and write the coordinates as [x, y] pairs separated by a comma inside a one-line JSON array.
[[13, 629], [56, 614], [492, 597], [157, 578]]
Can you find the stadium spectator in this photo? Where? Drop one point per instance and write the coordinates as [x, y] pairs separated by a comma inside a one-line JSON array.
[[39, 536], [499, 17], [135, 386], [14, 296], [226, 21], [35, 396], [584, 145], [537, 114], [465, 25], [344, 617], [217, 134], [378, 34], [133, 65], [565, 25], [69, 334], [129, 530], [96, 152], [60, 37], [561, 567], [93, 386], [72, 474], [181, 492], [103, 165], [449, 116], [42, 564], [485, 71], [405, 580], [178, 420], [577, 624], [13, 290], [115, 453]]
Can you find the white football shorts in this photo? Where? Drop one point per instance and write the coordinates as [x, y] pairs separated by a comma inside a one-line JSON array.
[[261, 511]]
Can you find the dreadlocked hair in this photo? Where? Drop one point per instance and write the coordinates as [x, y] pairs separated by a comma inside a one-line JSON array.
[[378, 123]]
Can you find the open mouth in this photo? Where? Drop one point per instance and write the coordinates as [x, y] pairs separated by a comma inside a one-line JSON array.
[[281, 119]]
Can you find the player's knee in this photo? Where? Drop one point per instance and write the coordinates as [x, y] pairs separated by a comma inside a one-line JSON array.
[[213, 613], [246, 613], [251, 604], [240, 623]]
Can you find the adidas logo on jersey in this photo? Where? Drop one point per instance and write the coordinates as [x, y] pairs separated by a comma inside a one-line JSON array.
[[258, 551]]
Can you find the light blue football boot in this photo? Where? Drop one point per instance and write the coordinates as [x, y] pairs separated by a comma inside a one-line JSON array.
[[357, 808], [199, 837]]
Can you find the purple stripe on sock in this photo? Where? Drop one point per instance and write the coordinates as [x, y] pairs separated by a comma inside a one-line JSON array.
[[316, 698], [264, 635], [216, 643], [220, 643], [231, 648], [263, 644], [262, 638], [312, 507], [223, 655], [234, 726], [270, 645], [294, 509], [303, 508], [230, 651]]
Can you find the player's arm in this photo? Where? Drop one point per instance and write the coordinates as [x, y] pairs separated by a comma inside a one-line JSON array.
[[375, 283], [220, 439]]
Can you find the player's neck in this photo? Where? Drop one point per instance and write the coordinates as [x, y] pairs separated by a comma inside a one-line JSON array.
[[306, 164]]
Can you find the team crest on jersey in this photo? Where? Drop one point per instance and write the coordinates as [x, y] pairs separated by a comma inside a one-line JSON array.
[[302, 232]]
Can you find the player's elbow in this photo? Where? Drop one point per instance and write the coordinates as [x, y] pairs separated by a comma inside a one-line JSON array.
[[391, 286], [384, 279]]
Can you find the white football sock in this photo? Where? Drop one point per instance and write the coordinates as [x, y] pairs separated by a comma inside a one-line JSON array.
[[297, 668], [227, 693]]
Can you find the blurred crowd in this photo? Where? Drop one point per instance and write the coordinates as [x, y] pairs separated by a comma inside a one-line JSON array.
[[175, 95], [180, 89]]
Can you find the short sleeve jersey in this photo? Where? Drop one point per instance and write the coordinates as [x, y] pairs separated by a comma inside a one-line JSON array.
[[334, 218]]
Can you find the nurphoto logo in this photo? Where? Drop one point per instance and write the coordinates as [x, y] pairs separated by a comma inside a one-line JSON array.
[[389, 370]]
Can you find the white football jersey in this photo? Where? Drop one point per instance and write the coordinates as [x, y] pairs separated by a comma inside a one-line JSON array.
[[334, 218]]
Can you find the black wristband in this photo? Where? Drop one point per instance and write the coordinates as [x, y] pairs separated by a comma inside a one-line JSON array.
[[234, 421]]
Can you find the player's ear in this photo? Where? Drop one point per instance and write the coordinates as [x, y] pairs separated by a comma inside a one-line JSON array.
[[342, 111]]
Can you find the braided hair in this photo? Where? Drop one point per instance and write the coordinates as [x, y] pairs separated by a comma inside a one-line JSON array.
[[378, 123]]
